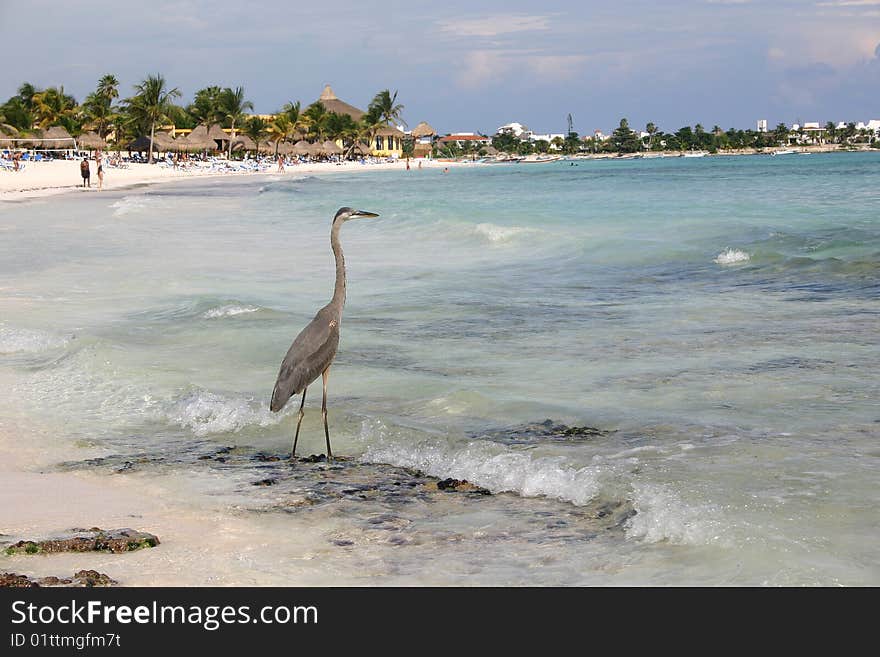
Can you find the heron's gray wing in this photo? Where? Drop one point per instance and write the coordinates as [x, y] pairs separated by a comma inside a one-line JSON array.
[[310, 354]]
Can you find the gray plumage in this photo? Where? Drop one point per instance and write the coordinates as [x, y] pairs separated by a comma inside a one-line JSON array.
[[313, 350]]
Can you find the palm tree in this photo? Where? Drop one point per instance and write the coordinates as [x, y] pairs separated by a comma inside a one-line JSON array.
[[98, 107], [52, 107], [315, 118], [108, 87], [233, 106], [386, 107], [651, 129], [152, 102], [298, 119], [256, 128], [831, 131], [206, 106], [281, 129]]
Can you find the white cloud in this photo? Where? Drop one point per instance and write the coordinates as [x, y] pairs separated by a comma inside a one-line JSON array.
[[493, 26], [849, 3]]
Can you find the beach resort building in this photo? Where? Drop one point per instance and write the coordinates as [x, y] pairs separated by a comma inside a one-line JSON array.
[[460, 139], [388, 141], [423, 139]]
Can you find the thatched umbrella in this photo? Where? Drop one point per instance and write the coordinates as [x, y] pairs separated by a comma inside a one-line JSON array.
[[285, 148], [142, 144], [423, 129], [302, 147], [490, 150], [361, 148], [332, 148], [266, 147], [164, 141], [57, 137], [7, 130], [243, 142], [316, 149], [91, 141], [200, 140], [216, 133]]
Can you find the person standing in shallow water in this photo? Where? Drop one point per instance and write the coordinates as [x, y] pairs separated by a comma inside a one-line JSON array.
[[85, 172]]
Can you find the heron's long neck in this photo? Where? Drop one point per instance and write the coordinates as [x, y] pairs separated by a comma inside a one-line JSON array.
[[339, 289]]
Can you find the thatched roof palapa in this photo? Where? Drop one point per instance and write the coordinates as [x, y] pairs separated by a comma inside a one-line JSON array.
[[316, 149], [389, 130], [301, 147], [423, 129], [199, 140], [332, 104], [216, 132], [57, 137], [91, 141], [361, 147], [332, 148], [243, 142]]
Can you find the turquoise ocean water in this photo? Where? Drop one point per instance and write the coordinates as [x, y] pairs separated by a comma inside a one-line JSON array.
[[717, 320]]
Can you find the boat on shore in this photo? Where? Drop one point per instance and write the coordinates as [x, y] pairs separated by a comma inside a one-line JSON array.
[[694, 154], [541, 159]]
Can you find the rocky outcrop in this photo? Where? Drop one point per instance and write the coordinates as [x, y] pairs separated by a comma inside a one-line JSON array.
[[88, 540], [82, 578]]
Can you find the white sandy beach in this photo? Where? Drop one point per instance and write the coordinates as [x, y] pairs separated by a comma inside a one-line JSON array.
[[39, 179]]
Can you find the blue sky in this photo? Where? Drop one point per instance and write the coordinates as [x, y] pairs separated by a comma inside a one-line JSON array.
[[472, 66]]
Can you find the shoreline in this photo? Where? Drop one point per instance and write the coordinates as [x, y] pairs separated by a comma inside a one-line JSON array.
[[43, 179]]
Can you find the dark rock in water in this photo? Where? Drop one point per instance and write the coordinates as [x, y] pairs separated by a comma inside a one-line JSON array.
[[265, 482], [96, 540], [314, 458], [16, 581], [82, 578], [538, 432], [461, 485], [343, 543]]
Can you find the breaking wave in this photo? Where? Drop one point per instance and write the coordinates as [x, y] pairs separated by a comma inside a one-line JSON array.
[[731, 257]]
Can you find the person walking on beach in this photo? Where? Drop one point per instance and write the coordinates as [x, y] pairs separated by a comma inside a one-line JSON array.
[[85, 172], [99, 161], [280, 164], [16, 157]]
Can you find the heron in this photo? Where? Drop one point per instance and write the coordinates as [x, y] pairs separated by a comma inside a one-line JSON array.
[[314, 349]]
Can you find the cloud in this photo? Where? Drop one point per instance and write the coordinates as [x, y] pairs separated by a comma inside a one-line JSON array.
[[493, 26], [483, 67], [849, 3]]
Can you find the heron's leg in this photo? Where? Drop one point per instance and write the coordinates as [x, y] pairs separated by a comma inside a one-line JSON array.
[[325, 376], [299, 420]]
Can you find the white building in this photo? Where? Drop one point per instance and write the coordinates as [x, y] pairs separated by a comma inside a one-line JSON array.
[[762, 125], [516, 129]]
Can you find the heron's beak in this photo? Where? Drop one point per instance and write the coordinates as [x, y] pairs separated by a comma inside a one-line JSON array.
[[363, 213]]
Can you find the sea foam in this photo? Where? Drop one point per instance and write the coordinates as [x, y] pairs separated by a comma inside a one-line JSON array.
[[18, 340], [489, 465], [500, 234], [206, 413], [132, 204], [731, 257], [230, 310], [661, 516]]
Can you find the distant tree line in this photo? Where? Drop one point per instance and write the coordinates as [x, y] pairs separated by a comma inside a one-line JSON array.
[[152, 105], [626, 140]]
